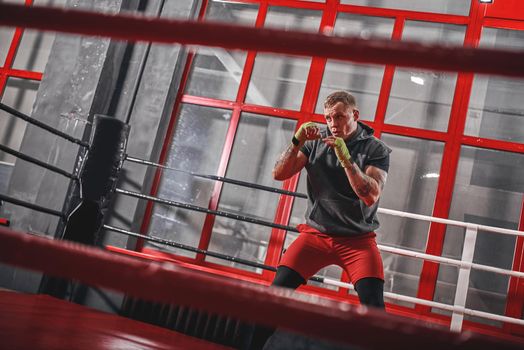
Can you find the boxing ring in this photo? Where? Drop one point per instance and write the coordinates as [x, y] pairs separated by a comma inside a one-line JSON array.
[[169, 282]]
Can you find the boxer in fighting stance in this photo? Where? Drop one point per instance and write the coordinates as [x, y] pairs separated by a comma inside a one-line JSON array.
[[346, 172]]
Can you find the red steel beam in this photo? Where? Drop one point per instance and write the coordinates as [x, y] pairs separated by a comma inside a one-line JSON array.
[[23, 74], [11, 53], [387, 82], [449, 167]]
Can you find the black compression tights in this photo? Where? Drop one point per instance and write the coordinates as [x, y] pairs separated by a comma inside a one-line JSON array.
[[287, 278], [370, 289], [370, 292]]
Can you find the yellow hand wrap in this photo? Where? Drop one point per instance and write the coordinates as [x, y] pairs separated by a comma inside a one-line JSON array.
[[342, 152], [300, 135]]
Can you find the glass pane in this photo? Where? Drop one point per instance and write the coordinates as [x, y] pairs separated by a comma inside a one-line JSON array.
[[258, 143], [19, 94], [489, 188], [434, 33], [50, 3], [285, 18], [196, 146], [401, 276], [279, 81], [365, 27], [216, 72], [17, 2], [498, 114], [456, 7], [411, 186], [363, 81], [56, 3], [33, 50], [6, 170], [36, 45], [423, 99]]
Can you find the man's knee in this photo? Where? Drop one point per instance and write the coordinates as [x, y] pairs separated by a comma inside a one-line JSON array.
[[287, 278], [371, 292]]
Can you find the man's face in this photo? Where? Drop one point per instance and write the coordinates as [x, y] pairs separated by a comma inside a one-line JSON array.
[[341, 120]]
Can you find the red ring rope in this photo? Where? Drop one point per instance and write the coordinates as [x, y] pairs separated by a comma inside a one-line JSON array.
[[166, 282], [379, 51]]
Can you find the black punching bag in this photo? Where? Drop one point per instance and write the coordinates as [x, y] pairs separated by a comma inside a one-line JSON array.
[[98, 178]]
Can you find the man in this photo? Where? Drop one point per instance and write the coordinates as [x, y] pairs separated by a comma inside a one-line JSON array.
[[346, 172]]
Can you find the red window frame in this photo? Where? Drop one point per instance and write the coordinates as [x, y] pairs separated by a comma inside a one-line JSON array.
[[7, 71], [453, 139]]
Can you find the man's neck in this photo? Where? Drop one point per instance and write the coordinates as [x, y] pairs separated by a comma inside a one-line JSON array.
[[352, 134]]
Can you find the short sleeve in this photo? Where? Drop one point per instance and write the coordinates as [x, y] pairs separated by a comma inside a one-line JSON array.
[[379, 158]]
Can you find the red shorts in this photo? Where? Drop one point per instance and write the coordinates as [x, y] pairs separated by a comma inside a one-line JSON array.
[[312, 250]]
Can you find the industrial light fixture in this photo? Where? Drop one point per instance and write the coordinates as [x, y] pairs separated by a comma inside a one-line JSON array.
[[417, 80], [430, 176]]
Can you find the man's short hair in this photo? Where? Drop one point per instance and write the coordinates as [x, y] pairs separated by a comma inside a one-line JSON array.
[[340, 96]]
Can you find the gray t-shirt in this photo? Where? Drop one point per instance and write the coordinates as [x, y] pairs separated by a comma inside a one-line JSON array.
[[333, 206]]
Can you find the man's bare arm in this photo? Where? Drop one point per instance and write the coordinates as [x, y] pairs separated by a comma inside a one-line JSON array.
[[290, 162], [367, 185]]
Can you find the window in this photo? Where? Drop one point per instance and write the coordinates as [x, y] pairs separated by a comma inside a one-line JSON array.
[[277, 80], [258, 143], [34, 50], [19, 94], [457, 7], [495, 108], [488, 190], [29, 55], [363, 81], [216, 73], [423, 99], [411, 187], [410, 110], [199, 137]]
